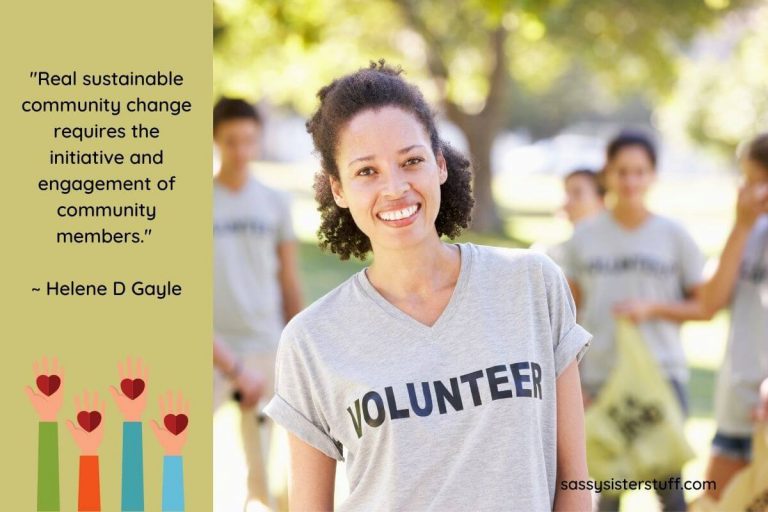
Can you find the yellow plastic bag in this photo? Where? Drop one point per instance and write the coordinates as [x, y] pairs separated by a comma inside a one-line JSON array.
[[635, 426], [748, 490]]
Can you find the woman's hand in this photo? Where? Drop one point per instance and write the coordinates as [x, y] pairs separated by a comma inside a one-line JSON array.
[[635, 310], [752, 202]]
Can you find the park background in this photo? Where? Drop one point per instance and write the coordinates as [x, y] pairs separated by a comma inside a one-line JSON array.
[[532, 90]]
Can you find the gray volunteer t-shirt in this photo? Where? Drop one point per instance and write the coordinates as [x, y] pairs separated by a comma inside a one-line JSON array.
[[248, 226], [457, 416], [658, 261], [746, 357]]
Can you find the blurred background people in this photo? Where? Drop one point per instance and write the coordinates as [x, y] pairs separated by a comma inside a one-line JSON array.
[[256, 286], [584, 195], [628, 252], [584, 198], [740, 282], [742, 285]]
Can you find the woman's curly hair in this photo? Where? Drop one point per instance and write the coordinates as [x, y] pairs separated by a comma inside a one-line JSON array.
[[374, 87]]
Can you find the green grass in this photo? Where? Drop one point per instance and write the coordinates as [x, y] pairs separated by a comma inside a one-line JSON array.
[[321, 272]]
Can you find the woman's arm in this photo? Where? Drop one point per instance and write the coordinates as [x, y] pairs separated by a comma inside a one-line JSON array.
[[707, 299], [224, 359], [249, 384], [313, 476], [691, 308], [571, 444], [716, 293]]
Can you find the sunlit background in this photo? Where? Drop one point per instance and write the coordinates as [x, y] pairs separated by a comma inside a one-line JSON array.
[[532, 90]]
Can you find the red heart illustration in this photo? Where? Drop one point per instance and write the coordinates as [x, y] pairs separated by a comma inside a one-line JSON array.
[[48, 384], [89, 420], [132, 388], [176, 423]]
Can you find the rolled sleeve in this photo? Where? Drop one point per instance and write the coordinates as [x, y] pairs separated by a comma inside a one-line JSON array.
[[571, 347], [296, 423], [296, 404]]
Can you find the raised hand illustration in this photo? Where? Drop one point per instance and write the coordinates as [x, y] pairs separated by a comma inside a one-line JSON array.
[[172, 436], [89, 430], [88, 434], [49, 380], [47, 400], [131, 399]]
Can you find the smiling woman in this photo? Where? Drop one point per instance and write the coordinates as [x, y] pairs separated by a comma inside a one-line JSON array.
[[404, 105], [404, 369]]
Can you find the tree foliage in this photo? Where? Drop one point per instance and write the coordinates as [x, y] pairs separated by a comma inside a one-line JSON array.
[[473, 57], [721, 98]]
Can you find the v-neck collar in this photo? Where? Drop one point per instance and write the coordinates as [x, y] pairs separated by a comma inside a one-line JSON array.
[[465, 252]]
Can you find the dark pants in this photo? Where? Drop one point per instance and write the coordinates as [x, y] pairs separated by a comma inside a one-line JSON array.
[[672, 500]]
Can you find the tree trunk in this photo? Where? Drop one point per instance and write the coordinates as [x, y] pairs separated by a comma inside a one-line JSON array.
[[480, 129], [485, 217]]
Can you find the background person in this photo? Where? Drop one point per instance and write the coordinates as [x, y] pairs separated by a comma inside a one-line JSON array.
[[256, 286], [584, 198], [584, 195], [625, 253], [741, 283]]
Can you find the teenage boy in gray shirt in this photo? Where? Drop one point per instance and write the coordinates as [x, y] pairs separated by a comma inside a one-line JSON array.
[[623, 255], [256, 287], [611, 265]]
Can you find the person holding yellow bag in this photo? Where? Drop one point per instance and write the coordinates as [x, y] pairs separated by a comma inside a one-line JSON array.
[[635, 426], [625, 253], [741, 282]]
